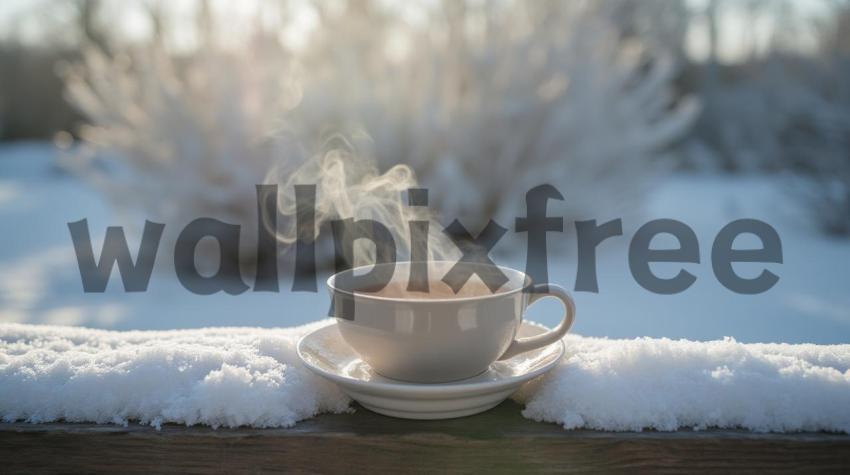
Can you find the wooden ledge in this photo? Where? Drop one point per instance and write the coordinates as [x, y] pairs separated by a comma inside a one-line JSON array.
[[498, 440]]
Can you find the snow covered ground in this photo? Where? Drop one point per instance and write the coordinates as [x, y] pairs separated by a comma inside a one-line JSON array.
[[40, 283], [250, 376], [242, 376]]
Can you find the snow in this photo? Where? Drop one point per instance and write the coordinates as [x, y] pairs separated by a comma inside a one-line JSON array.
[[219, 376], [663, 384], [251, 377], [40, 283]]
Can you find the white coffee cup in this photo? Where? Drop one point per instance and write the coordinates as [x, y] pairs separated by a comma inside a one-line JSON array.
[[444, 338]]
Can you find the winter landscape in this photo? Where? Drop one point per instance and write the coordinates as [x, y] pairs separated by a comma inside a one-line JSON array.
[[632, 110]]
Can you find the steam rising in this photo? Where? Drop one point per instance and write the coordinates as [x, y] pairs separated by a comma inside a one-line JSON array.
[[350, 185]]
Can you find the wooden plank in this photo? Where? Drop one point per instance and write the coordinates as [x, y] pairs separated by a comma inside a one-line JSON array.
[[500, 440]]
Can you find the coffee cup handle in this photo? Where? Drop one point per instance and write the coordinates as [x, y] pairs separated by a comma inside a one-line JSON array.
[[538, 292]]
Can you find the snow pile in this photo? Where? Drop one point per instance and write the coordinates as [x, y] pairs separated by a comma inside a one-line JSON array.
[[245, 376], [667, 385], [220, 377]]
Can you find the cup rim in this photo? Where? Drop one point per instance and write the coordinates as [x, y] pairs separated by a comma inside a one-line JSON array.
[[526, 279]]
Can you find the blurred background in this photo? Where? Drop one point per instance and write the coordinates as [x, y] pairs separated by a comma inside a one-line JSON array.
[[700, 110]]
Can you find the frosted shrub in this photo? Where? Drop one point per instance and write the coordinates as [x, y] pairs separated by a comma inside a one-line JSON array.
[[787, 114], [482, 101], [491, 101], [822, 136], [182, 141], [817, 141], [788, 111]]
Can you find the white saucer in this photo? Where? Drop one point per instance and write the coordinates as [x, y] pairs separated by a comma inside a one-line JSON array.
[[325, 353]]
